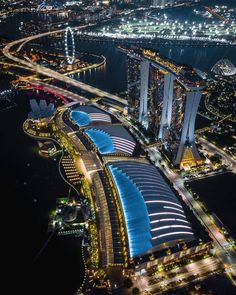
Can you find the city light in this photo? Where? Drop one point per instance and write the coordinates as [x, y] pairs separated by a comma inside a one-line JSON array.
[[119, 157]]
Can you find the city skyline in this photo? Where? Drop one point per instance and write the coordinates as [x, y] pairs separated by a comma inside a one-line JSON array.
[[119, 152]]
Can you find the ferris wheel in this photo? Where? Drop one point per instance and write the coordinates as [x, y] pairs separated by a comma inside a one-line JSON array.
[[69, 34]]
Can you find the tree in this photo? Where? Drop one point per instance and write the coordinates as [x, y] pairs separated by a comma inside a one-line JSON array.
[[135, 291]]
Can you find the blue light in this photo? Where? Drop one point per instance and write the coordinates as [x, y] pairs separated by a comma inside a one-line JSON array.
[[102, 140], [81, 118], [135, 211]]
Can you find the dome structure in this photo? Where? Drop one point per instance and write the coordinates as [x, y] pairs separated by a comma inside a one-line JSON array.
[[50, 4], [224, 67]]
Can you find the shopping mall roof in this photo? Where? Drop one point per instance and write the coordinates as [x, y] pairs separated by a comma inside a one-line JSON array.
[[86, 115], [153, 214], [110, 139]]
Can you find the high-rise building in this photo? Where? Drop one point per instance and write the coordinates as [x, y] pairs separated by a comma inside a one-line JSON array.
[[133, 86], [163, 96], [156, 92], [143, 99], [172, 117]]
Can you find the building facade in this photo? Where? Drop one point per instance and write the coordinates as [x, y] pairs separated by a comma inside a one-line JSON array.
[[164, 97], [133, 86]]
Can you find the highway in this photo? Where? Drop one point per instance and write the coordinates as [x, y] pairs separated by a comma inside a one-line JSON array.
[[58, 91], [29, 65]]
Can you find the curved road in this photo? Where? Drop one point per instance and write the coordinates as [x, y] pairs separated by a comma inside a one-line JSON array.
[[51, 73]]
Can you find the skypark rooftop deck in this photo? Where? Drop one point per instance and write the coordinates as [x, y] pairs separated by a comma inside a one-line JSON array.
[[184, 73]]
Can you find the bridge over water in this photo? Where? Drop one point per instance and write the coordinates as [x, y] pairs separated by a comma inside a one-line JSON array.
[[39, 69]]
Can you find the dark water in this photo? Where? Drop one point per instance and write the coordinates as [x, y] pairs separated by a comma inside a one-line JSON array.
[[218, 193], [14, 21], [31, 185], [113, 77], [201, 122]]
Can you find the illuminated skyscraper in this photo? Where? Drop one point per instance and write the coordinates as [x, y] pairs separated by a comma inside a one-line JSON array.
[[164, 97], [167, 104], [133, 86], [156, 92], [187, 150], [143, 100]]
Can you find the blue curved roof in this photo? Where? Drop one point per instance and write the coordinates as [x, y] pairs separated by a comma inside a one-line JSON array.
[[102, 140], [81, 118], [153, 214], [139, 240], [112, 139], [85, 115]]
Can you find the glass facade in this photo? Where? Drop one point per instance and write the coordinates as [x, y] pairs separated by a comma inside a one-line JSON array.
[[173, 135], [155, 102], [133, 86]]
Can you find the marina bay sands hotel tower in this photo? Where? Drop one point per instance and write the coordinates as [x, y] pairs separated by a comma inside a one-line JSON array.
[[164, 97]]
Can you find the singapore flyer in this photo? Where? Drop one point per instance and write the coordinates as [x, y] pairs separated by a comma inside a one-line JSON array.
[[70, 59]]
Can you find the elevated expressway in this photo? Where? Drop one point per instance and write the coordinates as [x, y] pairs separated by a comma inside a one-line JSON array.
[[58, 91], [29, 65]]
